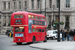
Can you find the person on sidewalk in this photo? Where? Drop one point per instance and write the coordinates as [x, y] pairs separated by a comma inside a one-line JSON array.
[[71, 35], [68, 36], [63, 35]]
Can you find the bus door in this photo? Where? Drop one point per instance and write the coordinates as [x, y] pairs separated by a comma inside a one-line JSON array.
[[39, 34], [19, 34], [43, 33]]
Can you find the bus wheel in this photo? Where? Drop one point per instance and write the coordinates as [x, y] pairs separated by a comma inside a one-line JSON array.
[[18, 43], [53, 37], [45, 39], [33, 39]]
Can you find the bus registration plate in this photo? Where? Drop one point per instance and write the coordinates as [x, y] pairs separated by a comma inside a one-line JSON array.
[[19, 35]]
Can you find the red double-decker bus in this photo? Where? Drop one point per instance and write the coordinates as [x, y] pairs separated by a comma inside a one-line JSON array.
[[28, 27]]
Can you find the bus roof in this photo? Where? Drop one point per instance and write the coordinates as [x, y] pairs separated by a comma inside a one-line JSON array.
[[24, 12]]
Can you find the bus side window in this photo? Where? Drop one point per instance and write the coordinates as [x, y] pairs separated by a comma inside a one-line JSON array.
[[42, 30], [33, 29], [42, 18], [36, 17], [29, 16], [32, 17], [36, 30], [39, 30], [39, 18]]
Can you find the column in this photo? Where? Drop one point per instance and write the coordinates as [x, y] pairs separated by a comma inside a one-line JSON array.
[[22, 4], [51, 20], [43, 5], [29, 4], [6, 5], [54, 2], [12, 5], [62, 19], [6, 21], [47, 4], [17, 5], [0, 5], [35, 4], [47, 20], [2, 23]]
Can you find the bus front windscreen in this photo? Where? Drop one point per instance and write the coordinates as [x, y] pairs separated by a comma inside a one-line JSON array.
[[19, 29]]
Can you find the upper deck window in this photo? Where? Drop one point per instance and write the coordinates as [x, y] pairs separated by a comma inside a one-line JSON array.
[[42, 18], [29, 16], [39, 18], [32, 17], [18, 16], [36, 17]]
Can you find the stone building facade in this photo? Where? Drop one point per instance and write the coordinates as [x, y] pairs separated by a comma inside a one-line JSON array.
[[67, 9]]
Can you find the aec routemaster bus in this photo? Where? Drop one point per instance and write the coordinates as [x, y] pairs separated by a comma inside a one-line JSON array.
[[28, 27]]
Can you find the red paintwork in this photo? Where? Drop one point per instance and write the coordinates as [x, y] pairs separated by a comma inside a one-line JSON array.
[[40, 36]]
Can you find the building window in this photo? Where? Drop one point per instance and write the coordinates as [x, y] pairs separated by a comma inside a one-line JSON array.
[[67, 3], [57, 4], [25, 5], [50, 3], [9, 6], [4, 21], [38, 3], [14, 5], [32, 4], [67, 22], [4, 5], [19, 5]]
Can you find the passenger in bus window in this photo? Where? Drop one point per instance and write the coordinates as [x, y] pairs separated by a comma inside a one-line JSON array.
[[16, 29]]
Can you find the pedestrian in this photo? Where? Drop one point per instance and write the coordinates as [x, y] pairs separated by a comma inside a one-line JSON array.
[[71, 35], [63, 35], [68, 36]]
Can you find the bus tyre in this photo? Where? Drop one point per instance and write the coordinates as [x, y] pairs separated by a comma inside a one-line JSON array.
[[33, 39], [53, 37], [45, 39], [18, 43]]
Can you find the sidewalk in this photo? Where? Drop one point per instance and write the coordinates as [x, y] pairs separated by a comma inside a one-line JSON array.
[[63, 45], [2, 33]]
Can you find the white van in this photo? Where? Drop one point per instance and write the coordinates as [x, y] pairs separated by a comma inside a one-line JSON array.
[[53, 34]]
